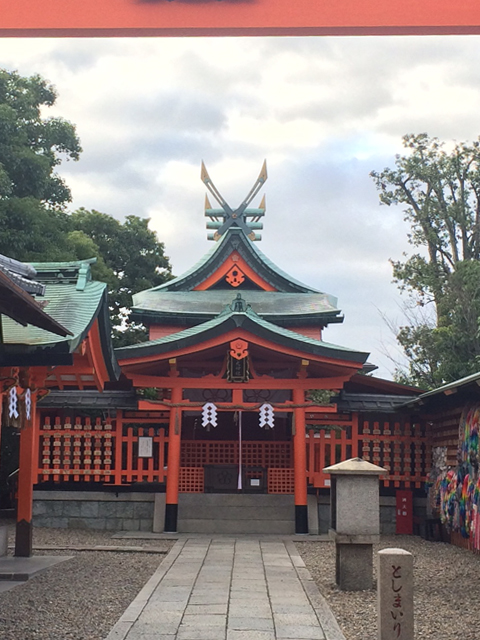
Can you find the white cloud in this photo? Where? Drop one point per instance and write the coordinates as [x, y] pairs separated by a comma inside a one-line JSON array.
[[323, 111]]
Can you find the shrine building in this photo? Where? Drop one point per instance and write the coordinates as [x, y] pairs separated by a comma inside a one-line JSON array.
[[69, 346], [224, 419]]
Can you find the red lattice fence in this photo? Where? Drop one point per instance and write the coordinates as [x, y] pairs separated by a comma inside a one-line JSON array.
[[106, 451]]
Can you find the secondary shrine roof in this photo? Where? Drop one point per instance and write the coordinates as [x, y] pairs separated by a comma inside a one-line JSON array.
[[240, 314], [16, 303], [75, 301]]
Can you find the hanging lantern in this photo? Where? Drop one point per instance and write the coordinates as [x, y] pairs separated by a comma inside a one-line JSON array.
[[266, 416], [209, 415]]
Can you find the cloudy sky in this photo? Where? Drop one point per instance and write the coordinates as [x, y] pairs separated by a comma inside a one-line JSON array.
[[324, 112]]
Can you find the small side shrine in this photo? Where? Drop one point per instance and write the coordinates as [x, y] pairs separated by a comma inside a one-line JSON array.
[[68, 346]]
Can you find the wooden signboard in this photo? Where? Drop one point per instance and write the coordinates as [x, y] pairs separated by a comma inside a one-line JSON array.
[[236, 17]]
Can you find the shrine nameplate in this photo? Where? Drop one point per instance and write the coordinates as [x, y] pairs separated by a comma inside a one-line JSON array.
[[145, 447], [236, 17]]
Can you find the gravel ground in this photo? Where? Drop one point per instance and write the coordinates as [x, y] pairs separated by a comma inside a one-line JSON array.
[[446, 590], [81, 598]]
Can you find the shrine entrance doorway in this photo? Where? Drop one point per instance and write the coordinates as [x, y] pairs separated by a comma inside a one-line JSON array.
[[237, 456]]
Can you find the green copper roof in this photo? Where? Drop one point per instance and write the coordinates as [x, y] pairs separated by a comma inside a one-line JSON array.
[[203, 305], [230, 318], [73, 300], [235, 239], [74, 309]]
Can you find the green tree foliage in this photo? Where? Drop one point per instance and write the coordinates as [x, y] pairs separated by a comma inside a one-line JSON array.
[[32, 194], [34, 223], [131, 259], [440, 190]]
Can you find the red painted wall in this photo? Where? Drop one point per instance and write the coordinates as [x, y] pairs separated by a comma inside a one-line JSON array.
[[236, 17]]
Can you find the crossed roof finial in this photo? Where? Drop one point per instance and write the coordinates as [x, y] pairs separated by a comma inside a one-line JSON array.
[[226, 217]]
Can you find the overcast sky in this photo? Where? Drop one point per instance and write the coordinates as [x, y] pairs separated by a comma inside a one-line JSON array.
[[324, 112]]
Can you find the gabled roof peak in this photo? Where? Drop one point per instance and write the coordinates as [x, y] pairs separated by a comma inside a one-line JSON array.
[[244, 218]]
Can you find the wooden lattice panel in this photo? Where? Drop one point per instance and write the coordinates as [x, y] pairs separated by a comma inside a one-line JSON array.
[[281, 481], [99, 452], [191, 480], [254, 454], [401, 448], [66, 450]]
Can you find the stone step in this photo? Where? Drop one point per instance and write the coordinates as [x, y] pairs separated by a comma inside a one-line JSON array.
[[272, 527], [226, 512], [236, 500], [236, 513]]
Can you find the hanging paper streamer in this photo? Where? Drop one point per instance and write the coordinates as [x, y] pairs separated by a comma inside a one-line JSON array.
[[28, 404], [239, 482], [209, 415], [13, 403], [266, 416]]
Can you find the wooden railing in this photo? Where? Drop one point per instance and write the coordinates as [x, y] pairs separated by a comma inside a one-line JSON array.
[[401, 448], [105, 451]]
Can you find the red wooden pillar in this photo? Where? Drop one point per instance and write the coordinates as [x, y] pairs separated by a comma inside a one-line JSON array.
[[300, 463], [26, 479], [173, 462], [1, 421]]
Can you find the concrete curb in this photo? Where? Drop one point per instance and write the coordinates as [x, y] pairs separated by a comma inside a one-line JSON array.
[[98, 547], [133, 611], [324, 614]]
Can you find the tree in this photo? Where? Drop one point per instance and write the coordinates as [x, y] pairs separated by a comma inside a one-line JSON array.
[[32, 194], [441, 192], [34, 222], [134, 258]]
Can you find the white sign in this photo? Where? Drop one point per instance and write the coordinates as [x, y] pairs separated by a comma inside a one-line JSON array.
[[145, 447]]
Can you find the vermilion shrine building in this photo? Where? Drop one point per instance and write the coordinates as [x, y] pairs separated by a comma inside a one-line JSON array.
[[69, 345], [212, 426]]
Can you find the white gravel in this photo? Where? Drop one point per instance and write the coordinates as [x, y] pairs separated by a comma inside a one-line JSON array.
[[446, 590], [81, 598]]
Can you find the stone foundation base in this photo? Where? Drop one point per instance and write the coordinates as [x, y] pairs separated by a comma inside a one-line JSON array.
[[102, 511]]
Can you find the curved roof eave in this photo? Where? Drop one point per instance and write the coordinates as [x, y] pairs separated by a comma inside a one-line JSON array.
[[248, 321], [207, 265]]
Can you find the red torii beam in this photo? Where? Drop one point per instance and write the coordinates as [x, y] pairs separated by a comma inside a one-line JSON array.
[[125, 18]]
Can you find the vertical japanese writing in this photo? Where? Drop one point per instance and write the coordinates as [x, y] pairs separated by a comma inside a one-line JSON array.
[[396, 610]]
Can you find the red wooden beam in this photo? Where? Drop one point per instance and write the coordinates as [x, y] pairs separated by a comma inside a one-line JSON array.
[[237, 17], [140, 380]]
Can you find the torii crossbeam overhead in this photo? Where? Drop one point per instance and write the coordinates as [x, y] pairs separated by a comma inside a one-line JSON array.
[[122, 18]]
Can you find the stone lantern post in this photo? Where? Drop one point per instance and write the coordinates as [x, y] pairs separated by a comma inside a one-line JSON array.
[[355, 521]]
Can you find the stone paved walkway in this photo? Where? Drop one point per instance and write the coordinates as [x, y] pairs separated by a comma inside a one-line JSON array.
[[229, 589]]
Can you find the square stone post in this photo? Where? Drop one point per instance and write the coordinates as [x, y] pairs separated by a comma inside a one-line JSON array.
[[395, 595], [355, 518]]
